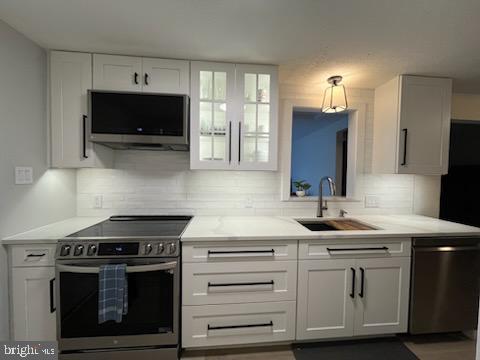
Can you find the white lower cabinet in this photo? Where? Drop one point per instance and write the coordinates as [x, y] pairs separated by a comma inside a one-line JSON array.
[[383, 309], [324, 307], [34, 317], [239, 282], [352, 297], [235, 324]]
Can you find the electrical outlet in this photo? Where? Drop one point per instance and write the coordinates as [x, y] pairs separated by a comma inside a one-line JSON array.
[[372, 201], [249, 203], [23, 175], [97, 201]]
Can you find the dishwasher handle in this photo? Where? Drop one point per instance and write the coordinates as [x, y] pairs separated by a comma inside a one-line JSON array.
[[446, 248]]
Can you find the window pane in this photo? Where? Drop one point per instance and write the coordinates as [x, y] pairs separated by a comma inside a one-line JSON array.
[[206, 82], [249, 148], [250, 117], [219, 118], [262, 148], [263, 94], [250, 87], [220, 85], [205, 117], [219, 147], [263, 118], [205, 147]]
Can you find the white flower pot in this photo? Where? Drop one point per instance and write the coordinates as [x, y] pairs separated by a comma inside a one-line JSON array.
[[300, 193]]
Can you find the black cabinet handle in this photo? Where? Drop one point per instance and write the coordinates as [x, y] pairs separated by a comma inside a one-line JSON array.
[[362, 283], [135, 78], [271, 282], [84, 143], [212, 252], [352, 294], [229, 142], [239, 141], [146, 79], [358, 249], [239, 326], [404, 162], [36, 255], [52, 296]]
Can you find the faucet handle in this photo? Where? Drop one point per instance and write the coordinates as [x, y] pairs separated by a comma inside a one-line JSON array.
[[343, 212]]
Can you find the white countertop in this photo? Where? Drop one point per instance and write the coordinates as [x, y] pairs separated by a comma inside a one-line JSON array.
[[226, 228], [52, 232]]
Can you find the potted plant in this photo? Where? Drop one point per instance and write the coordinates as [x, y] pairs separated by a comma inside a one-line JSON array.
[[302, 187]]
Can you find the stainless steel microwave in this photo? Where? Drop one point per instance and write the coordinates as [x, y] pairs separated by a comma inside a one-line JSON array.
[[123, 120]]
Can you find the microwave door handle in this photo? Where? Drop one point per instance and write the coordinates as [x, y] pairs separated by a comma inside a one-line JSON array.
[[130, 269]]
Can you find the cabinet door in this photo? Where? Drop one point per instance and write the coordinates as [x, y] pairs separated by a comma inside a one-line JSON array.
[[33, 319], [382, 301], [212, 122], [325, 308], [117, 73], [424, 129], [257, 94], [70, 78], [165, 76]]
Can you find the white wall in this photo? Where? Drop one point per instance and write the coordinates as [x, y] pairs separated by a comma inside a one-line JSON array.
[[161, 182], [23, 142], [466, 106]]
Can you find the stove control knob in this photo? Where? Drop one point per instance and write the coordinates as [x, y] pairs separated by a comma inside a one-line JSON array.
[[148, 249], [78, 250], [92, 250], [172, 248], [65, 250], [160, 249]]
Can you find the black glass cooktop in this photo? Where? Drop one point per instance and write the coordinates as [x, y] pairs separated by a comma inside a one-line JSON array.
[[136, 226]]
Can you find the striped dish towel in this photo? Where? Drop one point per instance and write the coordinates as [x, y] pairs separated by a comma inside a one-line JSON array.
[[112, 293]]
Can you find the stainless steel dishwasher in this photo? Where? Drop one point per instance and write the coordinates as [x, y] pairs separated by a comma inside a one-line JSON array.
[[445, 285]]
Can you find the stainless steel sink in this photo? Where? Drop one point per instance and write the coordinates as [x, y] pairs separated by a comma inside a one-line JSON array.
[[334, 224]]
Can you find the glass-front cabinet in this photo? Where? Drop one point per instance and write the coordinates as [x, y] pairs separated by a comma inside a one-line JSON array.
[[233, 116], [257, 92]]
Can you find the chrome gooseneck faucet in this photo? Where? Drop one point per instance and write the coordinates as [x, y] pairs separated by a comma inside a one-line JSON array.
[[333, 191]]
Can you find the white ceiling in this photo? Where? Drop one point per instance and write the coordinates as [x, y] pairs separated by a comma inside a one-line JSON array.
[[366, 41]]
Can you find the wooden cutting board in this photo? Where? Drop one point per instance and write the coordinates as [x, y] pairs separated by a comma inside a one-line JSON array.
[[348, 225]]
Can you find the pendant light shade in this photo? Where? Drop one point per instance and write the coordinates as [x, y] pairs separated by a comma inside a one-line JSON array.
[[335, 97]]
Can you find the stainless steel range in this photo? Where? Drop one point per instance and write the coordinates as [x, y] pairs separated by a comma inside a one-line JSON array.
[[149, 246]]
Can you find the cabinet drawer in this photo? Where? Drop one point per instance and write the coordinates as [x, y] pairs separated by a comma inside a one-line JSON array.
[[256, 251], [215, 325], [33, 255], [349, 248], [239, 282]]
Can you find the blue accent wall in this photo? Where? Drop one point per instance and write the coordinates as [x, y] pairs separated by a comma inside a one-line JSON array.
[[314, 138]]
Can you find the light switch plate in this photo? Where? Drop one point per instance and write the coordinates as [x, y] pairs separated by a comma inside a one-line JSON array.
[[372, 201], [98, 201], [23, 175]]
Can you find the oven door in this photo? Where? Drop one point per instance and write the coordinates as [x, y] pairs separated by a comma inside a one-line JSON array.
[[153, 305]]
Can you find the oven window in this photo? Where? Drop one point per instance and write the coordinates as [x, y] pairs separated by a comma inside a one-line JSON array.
[[150, 305]]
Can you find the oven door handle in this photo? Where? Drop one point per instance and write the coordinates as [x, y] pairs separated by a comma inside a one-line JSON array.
[[130, 269]]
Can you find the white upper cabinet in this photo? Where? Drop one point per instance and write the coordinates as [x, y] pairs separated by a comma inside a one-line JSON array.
[[128, 73], [257, 92], [212, 115], [233, 116], [114, 72], [412, 126], [70, 79], [166, 76]]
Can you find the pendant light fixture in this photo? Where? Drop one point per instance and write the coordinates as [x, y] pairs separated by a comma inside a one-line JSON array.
[[335, 97]]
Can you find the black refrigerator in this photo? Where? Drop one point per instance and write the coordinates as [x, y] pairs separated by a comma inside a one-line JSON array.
[[460, 193]]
